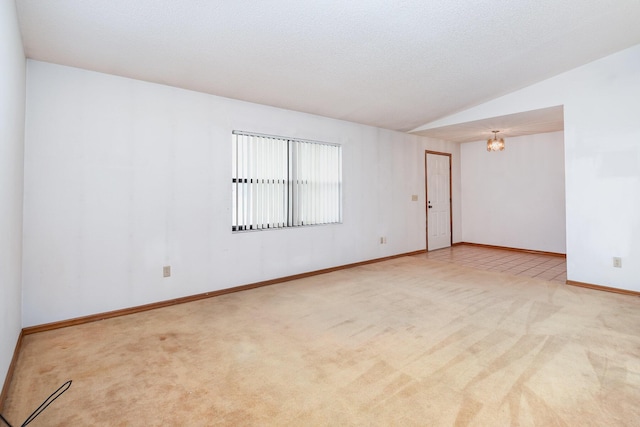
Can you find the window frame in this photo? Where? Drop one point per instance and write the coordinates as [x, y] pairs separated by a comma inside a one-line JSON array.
[[310, 194]]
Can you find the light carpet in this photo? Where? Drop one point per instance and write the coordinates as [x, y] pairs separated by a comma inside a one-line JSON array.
[[405, 342]]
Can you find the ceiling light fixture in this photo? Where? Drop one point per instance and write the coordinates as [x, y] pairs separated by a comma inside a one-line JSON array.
[[495, 144]]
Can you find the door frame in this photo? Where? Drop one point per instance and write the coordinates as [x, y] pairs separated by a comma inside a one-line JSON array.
[[426, 193]]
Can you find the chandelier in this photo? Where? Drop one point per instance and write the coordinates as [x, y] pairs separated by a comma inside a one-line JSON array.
[[495, 144]]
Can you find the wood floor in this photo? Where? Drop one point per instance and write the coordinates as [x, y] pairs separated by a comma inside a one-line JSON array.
[[411, 341]]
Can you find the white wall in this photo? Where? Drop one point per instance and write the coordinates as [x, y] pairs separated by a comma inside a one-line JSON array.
[[602, 162], [12, 98], [123, 177], [515, 197]]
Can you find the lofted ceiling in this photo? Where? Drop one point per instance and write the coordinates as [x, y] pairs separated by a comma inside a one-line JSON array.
[[392, 64]]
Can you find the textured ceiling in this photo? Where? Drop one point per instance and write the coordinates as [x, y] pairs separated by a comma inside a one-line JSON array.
[[392, 64], [525, 123]]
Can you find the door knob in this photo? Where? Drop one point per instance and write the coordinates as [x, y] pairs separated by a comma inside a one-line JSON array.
[[429, 206]]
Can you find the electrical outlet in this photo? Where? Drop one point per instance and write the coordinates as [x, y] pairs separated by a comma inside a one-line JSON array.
[[414, 198], [383, 240], [617, 262], [166, 271]]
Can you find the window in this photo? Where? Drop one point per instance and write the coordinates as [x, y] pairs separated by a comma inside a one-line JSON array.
[[283, 182]]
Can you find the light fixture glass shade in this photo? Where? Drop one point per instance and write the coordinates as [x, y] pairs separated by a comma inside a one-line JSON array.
[[495, 144]]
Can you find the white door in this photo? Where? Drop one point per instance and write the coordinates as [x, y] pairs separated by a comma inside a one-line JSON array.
[[438, 200]]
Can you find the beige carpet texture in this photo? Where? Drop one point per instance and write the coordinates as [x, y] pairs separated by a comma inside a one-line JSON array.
[[404, 342]]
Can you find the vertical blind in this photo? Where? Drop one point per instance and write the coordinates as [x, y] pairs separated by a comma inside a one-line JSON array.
[[283, 182]]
